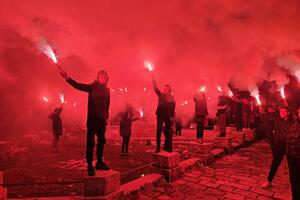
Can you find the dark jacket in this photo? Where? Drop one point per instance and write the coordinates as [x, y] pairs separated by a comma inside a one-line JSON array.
[[56, 122], [293, 140], [178, 123], [200, 106], [125, 123], [222, 106], [166, 104], [99, 98]]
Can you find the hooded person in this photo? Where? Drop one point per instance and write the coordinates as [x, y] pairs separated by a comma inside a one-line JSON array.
[[98, 113], [200, 113], [127, 117], [277, 139], [293, 155], [56, 126], [164, 115]]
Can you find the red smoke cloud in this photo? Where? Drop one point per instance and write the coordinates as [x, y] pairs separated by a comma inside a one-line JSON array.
[[191, 43]]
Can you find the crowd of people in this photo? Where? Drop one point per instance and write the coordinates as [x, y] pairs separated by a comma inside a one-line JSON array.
[[278, 119]]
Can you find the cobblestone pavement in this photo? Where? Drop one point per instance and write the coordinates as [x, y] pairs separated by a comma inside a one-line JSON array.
[[237, 176]]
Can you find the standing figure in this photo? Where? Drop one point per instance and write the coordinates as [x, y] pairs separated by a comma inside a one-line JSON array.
[[127, 117], [277, 140], [56, 127], [221, 115], [178, 126], [246, 109], [164, 115], [293, 156], [238, 113], [200, 113], [98, 113]]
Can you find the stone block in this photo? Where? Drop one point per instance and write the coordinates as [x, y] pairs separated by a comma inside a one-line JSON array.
[[206, 159], [203, 148], [104, 183], [224, 143], [167, 160], [172, 174], [218, 153], [239, 137], [144, 182]]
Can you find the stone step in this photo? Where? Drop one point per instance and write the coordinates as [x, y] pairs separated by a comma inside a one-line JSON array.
[[145, 183]]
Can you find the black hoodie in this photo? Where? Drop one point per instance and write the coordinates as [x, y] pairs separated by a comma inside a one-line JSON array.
[[99, 98]]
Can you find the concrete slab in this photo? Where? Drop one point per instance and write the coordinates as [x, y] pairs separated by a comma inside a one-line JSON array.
[[104, 183], [167, 160]]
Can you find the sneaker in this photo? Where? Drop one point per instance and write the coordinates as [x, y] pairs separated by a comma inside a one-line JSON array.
[[91, 170], [102, 166], [266, 184]]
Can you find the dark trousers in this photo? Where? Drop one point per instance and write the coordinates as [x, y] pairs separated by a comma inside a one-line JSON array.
[[294, 171], [239, 122], [278, 155], [95, 127], [178, 131], [222, 124], [168, 133], [55, 141], [125, 143], [200, 120]]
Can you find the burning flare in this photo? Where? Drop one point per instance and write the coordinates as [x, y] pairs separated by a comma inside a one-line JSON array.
[[47, 49], [62, 98], [282, 92], [230, 94], [148, 66], [202, 89], [219, 88], [256, 95], [141, 112], [45, 99], [184, 103]]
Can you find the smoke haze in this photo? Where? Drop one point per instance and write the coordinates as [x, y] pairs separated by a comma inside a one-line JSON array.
[[191, 43]]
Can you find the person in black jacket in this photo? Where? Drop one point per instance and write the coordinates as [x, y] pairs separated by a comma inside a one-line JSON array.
[[293, 156], [221, 115], [164, 114], [56, 127], [200, 113], [127, 118], [178, 126], [277, 140], [98, 113]]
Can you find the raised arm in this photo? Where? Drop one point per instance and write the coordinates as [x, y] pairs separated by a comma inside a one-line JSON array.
[[76, 85], [155, 87], [79, 86]]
